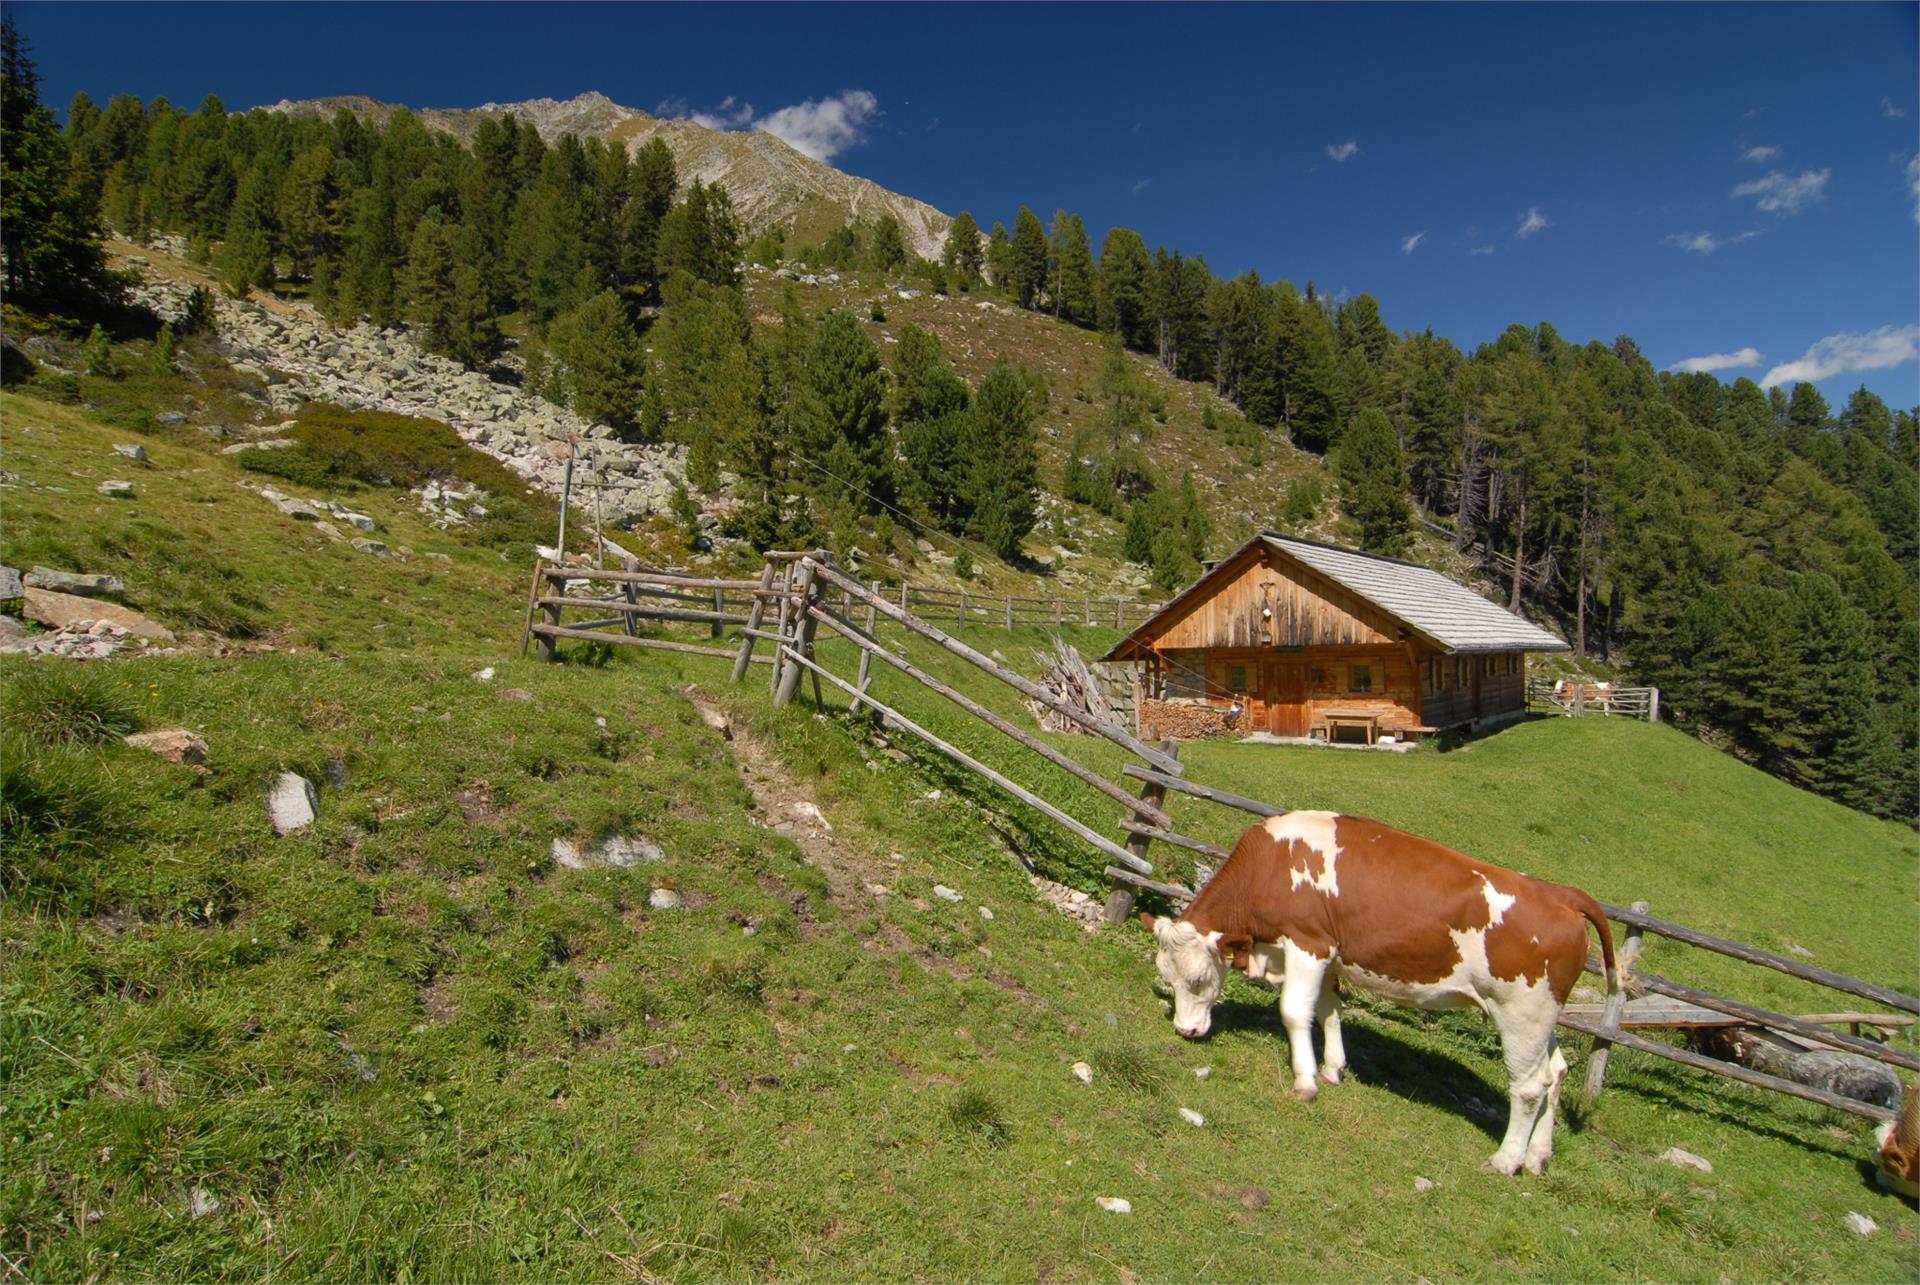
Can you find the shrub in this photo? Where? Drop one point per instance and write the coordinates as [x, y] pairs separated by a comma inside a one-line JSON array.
[[163, 361], [70, 705], [295, 466], [98, 353]]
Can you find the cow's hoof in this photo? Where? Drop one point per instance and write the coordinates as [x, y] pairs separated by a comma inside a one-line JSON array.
[[1501, 1163], [1536, 1165], [1306, 1092], [1331, 1074]]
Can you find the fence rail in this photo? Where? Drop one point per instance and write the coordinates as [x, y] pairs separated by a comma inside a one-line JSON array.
[[1580, 699]]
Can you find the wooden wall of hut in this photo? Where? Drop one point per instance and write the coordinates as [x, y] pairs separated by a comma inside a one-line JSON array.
[[1307, 609]]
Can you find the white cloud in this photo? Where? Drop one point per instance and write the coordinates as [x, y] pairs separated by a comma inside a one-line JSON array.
[[730, 114], [1891, 112], [1706, 242], [1845, 352], [1142, 186], [1720, 361], [1532, 221], [1760, 155], [1343, 151], [1481, 250], [1412, 243], [825, 127], [822, 129], [1782, 193], [1913, 184]]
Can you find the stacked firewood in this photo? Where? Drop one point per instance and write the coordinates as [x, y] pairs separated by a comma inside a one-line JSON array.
[[1064, 673]]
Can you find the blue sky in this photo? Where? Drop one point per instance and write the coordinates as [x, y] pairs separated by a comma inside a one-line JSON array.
[[1727, 182]]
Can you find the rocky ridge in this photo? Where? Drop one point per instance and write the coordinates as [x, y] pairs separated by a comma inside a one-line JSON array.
[[303, 358], [769, 181]]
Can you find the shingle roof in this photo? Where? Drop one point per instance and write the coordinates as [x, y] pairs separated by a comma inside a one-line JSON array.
[[1448, 612]]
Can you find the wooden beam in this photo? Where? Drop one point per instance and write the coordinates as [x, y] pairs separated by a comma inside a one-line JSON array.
[[1623, 962], [750, 632], [645, 609], [1120, 897], [533, 596], [1731, 1071], [869, 648], [657, 579], [795, 621], [1170, 890], [1030, 689], [622, 640], [1183, 786], [968, 761], [1755, 1016], [1767, 959], [1200, 846]]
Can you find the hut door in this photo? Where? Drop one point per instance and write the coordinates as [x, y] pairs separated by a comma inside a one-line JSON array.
[[1286, 690]]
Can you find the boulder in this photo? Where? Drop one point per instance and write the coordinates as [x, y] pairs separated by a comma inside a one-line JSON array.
[[664, 899], [10, 584], [132, 451], [360, 520], [373, 547], [58, 610], [292, 803], [176, 745], [116, 489], [67, 582]]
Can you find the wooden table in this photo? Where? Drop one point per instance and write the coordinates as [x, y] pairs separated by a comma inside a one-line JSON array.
[[1367, 722]]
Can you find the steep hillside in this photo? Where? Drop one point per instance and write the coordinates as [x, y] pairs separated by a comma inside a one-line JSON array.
[[419, 1037], [770, 182]]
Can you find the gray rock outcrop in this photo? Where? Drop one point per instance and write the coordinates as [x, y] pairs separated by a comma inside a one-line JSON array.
[[292, 803]]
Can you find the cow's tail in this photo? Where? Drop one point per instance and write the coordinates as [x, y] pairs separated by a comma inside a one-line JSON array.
[[1602, 926]]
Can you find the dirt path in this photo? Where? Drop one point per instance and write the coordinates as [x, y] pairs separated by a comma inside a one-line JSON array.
[[785, 806]]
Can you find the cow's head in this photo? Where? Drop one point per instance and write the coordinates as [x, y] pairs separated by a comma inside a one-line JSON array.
[[1192, 966]]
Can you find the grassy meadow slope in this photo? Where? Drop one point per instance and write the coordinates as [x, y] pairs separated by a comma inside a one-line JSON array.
[[403, 1043]]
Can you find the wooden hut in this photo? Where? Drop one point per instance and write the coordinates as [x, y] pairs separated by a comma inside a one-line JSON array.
[[1303, 639]]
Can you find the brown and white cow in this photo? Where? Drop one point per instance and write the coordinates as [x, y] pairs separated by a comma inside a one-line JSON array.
[[1308, 894]]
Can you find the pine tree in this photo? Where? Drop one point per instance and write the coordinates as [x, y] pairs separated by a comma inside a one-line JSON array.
[[934, 439], [97, 352], [1071, 287], [425, 287], [604, 362], [1373, 483], [1001, 465], [1027, 265], [961, 255], [887, 251], [246, 255], [1126, 293], [308, 209], [700, 238], [163, 355], [1000, 257], [49, 215], [840, 419], [473, 333]]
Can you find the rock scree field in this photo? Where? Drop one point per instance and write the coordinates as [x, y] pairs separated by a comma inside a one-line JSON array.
[[605, 969]]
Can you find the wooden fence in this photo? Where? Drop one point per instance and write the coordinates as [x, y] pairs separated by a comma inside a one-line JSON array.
[[800, 592], [806, 591], [1581, 700]]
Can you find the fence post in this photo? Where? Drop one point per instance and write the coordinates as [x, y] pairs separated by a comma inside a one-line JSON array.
[[719, 609], [798, 635], [632, 595], [1009, 611], [1611, 1011], [549, 646], [1653, 705], [1116, 614], [756, 611], [780, 665], [1120, 900]]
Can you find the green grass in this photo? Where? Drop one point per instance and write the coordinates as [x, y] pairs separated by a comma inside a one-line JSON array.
[[402, 1043]]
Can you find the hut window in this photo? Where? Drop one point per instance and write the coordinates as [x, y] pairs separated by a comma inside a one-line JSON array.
[[1427, 675], [1360, 678], [1237, 678], [1488, 670], [1513, 663]]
